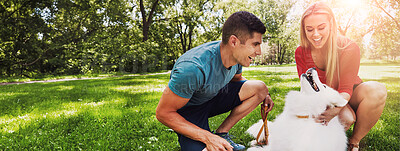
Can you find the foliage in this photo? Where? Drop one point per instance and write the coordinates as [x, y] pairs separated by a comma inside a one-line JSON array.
[[385, 43], [373, 25], [189, 22], [282, 29], [19, 27], [58, 37]]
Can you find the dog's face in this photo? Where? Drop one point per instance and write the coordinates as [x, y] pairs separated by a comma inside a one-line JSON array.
[[310, 82], [314, 97]]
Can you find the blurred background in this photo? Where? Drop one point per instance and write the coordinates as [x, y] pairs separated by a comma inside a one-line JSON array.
[[70, 37]]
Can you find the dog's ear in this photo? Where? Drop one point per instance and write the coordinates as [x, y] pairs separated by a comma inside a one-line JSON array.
[[340, 102], [337, 99]]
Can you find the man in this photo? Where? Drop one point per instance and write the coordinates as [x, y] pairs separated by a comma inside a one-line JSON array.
[[207, 81]]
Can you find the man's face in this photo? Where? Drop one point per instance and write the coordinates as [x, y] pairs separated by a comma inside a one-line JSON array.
[[245, 53]]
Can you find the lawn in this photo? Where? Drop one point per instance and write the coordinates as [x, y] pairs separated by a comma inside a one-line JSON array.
[[118, 113]]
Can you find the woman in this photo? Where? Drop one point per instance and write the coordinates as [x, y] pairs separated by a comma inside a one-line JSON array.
[[337, 60]]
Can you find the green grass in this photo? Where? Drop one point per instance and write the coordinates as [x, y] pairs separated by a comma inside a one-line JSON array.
[[118, 113], [43, 77]]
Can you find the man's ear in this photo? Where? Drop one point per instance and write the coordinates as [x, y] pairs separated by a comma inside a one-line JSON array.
[[233, 41]]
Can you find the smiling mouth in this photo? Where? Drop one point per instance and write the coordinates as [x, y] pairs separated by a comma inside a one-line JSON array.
[[250, 58], [318, 39], [310, 80]]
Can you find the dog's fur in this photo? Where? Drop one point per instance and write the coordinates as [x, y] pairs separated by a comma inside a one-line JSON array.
[[290, 133]]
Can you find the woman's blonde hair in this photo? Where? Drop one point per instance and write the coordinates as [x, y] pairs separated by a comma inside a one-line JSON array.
[[332, 62]]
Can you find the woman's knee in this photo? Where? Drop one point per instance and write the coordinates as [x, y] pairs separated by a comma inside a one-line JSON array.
[[375, 91]]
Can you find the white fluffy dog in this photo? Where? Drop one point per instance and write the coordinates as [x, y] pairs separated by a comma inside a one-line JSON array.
[[295, 129]]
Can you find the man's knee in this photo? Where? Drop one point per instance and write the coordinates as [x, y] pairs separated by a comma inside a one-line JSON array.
[[260, 88]]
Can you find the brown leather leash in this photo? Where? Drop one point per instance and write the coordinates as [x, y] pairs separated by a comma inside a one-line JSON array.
[[264, 127]]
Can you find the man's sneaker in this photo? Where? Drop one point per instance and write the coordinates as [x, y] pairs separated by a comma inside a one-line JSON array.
[[226, 136]]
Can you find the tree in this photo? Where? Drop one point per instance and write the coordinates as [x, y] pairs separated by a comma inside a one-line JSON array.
[[59, 37], [21, 29], [393, 4], [189, 20], [147, 18], [282, 29], [377, 19], [228, 7], [385, 42]]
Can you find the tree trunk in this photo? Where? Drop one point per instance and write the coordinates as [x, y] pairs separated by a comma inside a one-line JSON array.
[[147, 20]]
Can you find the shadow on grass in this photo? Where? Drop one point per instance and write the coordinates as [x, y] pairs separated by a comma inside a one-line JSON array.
[[89, 131], [111, 113], [21, 99]]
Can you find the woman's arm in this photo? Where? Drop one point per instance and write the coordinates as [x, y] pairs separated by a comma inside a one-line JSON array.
[[300, 62], [330, 113], [349, 64]]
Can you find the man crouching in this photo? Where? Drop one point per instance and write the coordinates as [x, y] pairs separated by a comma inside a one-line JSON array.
[[207, 81]]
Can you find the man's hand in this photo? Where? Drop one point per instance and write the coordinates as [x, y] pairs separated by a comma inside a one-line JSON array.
[[268, 104], [327, 116], [217, 143]]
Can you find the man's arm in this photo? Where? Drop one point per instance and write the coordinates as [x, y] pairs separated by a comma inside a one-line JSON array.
[[238, 77], [167, 114]]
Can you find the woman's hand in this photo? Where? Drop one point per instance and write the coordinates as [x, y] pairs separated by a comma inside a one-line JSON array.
[[331, 112], [328, 115]]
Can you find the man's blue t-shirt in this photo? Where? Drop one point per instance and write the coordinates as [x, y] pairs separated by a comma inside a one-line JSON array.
[[199, 74]]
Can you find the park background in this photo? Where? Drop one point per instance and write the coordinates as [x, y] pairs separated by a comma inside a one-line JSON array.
[[120, 51]]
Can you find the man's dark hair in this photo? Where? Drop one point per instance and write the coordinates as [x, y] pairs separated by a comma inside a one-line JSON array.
[[242, 24]]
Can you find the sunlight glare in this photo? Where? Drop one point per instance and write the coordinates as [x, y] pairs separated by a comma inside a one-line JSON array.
[[353, 3]]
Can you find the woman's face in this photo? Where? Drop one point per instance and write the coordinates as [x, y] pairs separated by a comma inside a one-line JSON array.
[[317, 28]]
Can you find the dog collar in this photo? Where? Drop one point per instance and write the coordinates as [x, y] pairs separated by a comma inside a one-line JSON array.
[[302, 116]]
